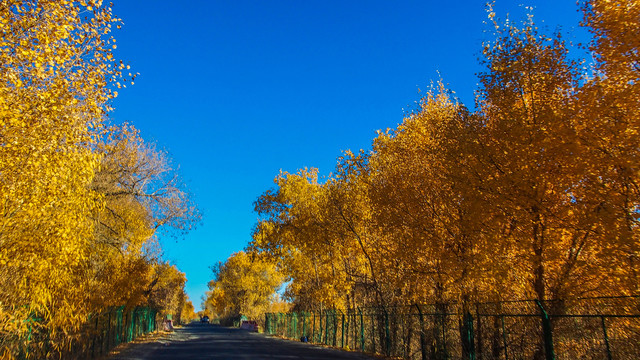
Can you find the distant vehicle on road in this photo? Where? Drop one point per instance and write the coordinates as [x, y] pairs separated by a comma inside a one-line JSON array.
[[249, 325], [204, 320]]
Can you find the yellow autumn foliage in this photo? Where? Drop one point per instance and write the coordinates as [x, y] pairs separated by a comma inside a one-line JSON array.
[[244, 285], [74, 238], [532, 196], [53, 97]]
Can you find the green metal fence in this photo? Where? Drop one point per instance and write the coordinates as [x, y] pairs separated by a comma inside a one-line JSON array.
[[596, 328], [101, 333], [117, 326]]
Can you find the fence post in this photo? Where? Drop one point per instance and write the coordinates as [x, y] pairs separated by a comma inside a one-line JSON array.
[[127, 325], [373, 330], [547, 332], [606, 338], [342, 331], [313, 329], [444, 334], [504, 339], [134, 323], [355, 328], [118, 326], [131, 325], [468, 346], [361, 329], [320, 327], [335, 328], [326, 328]]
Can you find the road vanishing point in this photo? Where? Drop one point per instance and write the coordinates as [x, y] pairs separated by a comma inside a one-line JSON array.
[[204, 341]]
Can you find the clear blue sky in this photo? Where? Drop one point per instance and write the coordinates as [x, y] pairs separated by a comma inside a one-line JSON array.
[[237, 90]]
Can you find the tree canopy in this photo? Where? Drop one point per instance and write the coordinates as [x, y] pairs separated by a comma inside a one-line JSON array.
[[532, 195], [81, 200]]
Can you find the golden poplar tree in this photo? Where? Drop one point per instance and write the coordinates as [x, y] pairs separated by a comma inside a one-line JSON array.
[[76, 227], [245, 284], [607, 123], [55, 69]]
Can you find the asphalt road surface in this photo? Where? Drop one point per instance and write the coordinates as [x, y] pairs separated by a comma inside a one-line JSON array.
[[204, 341]]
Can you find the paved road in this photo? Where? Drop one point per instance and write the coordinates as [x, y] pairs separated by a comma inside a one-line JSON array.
[[215, 342]]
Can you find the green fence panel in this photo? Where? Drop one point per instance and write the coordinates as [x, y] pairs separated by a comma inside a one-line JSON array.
[[95, 338], [496, 331]]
